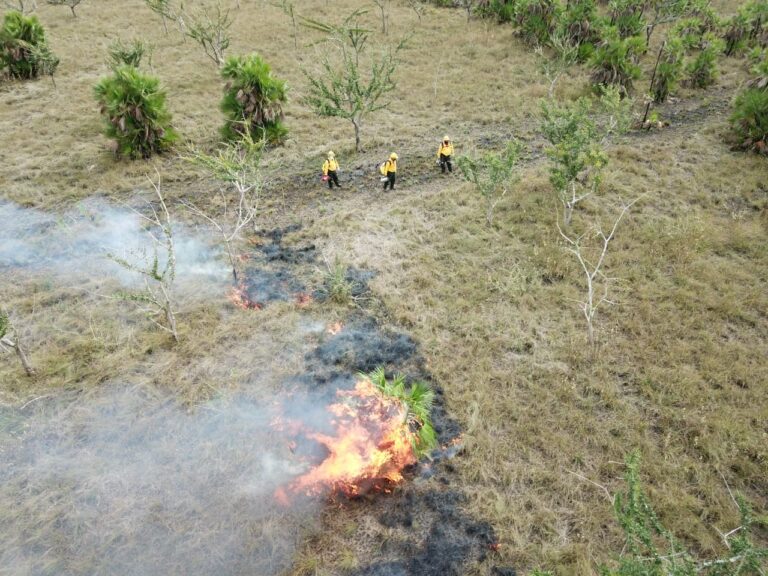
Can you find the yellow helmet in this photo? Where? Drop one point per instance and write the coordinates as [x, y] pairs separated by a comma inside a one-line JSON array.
[[393, 156], [331, 154], [446, 138]]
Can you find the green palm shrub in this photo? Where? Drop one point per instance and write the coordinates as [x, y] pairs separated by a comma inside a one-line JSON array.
[[418, 400], [536, 20], [702, 70], [581, 25], [24, 50], [502, 10], [669, 69], [253, 99], [749, 120], [135, 113], [615, 60], [627, 17]]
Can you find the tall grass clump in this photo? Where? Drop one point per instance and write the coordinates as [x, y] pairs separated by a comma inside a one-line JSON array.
[[126, 53], [135, 114], [24, 51], [418, 400], [253, 100]]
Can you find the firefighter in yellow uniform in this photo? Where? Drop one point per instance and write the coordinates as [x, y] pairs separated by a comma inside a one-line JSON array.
[[389, 169], [444, 153], [330, 167]]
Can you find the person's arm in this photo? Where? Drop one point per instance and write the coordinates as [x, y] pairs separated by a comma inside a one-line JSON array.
[[325, 168]]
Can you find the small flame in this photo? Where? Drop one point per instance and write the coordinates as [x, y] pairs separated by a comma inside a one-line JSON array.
[[238, 295], [334, 328], [368, 448], [303, 299]]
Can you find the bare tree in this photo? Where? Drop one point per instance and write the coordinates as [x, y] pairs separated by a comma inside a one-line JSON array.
[[289, 9], [71, 3], [383, 6], [237, 166], [597, 284], [23, 6], [166, 11], [555, 65], [11, 339], [210, 29], [157, 269]]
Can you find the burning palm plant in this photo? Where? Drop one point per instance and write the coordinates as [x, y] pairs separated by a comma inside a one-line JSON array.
[[376, 430]]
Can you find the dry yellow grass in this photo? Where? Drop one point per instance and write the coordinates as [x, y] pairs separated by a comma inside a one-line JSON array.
[[681, 368]]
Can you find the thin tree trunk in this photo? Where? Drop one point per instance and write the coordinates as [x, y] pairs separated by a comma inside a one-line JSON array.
[[73, 11], [357, 134], [24, 360]]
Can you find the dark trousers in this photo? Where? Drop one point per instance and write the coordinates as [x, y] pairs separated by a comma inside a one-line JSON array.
[[333, 178], [391, 177], [445, 161]]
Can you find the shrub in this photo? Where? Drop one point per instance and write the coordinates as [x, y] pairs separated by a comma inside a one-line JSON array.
[[537, 19], [668, 70], [418, 400], [581, 26], [253, 99], [23, 48], [627, 17], [702, 70], [615, 61], [749, 120], [135, 113], [501, 10], [126, 53]]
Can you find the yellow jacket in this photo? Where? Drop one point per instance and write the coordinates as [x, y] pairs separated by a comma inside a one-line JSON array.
[[446, 149], [330, 165], [390, 166]]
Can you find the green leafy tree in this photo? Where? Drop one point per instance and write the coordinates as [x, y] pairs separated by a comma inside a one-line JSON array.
[[352, 85], [615, 61], [253, 100], [575, 152], [135, 114], [492, 174], [418, 399], [24, 51]]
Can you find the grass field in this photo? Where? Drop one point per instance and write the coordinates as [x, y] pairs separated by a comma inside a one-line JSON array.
[[680, 368]]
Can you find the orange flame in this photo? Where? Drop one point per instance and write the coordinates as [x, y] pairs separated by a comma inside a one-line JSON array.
[[238, 295], [370, 445], [334, 328]]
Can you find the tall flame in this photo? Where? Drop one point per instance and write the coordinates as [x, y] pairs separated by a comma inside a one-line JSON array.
[[369, 446]]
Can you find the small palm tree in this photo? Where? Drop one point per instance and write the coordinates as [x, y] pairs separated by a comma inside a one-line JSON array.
[[418, 400], [135, 114], [253, 99], [23, 48]]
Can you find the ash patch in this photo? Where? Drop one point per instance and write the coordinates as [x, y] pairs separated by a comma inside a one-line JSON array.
[[452, 538], [363, 346], [274, 270]]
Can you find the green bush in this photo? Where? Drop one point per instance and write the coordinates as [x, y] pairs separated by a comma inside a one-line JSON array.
[[135, 113], [615, 61], [253, 100], [536, 20], [501, 10], [669, 69], [24, 50], [702, 70]]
